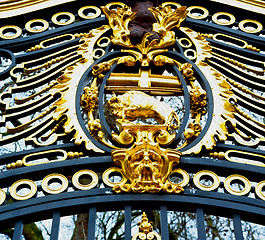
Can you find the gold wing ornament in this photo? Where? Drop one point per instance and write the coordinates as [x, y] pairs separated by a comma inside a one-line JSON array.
[[129, 99]]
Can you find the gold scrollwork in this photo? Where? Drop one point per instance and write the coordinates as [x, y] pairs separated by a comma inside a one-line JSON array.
[[70, 18], [112, 171], [146, 166], [250, 26], [92, 9], [223, 18], [51, 178], [197, 12], [258, 190], [237, 179], [27, 183], [206, 174], [146, 230], [14, 30], [78, 175], [183, 173], [37, 22], [2, 196]]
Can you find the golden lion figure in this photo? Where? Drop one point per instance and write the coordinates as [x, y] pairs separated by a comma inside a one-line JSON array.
[[135, 104]]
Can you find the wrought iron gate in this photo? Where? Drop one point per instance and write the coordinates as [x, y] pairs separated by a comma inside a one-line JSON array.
[[140, 108]]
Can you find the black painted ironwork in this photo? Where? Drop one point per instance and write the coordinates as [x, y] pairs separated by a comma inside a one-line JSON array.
[[16, 214]]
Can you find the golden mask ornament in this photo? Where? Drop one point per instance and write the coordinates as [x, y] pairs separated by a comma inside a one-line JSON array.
[[133, 97]]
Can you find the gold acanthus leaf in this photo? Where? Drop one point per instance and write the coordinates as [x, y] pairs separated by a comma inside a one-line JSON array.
[[167, 19], [119, 22]]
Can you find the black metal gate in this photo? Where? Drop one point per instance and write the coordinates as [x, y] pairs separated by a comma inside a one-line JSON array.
[[93, 124]]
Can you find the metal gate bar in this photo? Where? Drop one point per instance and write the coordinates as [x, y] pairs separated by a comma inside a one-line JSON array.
[[164, 223], [128, 221], [238, 227], [200, 224], [18, 230], [91, 223], [55, 225]]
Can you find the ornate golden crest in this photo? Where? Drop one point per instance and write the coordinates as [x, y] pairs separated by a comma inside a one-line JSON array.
[[146, 102]]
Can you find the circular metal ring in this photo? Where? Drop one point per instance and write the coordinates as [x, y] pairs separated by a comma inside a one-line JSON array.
[[54, 177], [200, 10], [118, 4], [30, 28], [235, 177], [103, 42], [258, 190], [165, 4], [258, 26], [63, 14], [92, 184], [102, 52], [212, 175], [96, 11], [185, 177], [187, 54], [227, 16], [10, 28], [182, 41], [18, 184], [107, 173], [2, 196]]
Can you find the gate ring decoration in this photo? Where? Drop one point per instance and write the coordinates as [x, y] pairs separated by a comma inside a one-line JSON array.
[[237, 178], [2, 196], [76, 179], [208, 174], [107, 105], [19, 184], [54, 177]]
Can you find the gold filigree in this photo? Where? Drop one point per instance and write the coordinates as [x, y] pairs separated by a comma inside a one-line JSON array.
[[135, 104], [43, 157], [146, 230], [146, 166], [166, 20], [222, 110]]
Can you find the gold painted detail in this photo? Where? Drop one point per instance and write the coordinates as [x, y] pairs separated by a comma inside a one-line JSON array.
[[220, 37], [222, 110], [146, 230], [240, 157], [23, 195], [166, 20], [61, 186], [146, 166], [10, 32], [59, 118], [43, 157], [135, 104], [204, 180], [206, 176], [85, 184]]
